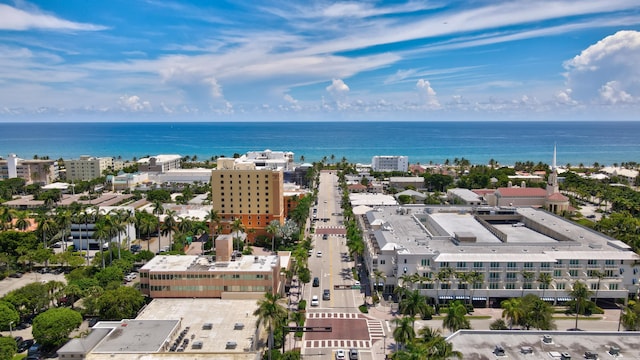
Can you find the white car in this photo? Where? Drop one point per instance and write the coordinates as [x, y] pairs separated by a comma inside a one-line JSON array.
[[340, 355], [319, 254], [314, 300], [357, 283]]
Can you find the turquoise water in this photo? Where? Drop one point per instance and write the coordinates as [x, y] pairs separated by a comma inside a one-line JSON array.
[[424, 142]]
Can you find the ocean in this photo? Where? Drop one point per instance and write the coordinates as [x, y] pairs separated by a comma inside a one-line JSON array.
[[604, 142]]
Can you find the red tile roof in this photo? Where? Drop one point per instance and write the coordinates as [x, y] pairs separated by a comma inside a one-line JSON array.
[[557, 197], [521, 192]]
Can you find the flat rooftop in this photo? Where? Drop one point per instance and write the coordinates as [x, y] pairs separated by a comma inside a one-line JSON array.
[[477, 345], [204, 263], [426, 230], [134, 335]]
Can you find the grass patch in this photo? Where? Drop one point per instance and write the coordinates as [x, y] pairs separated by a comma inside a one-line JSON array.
[[579, 318], [470, 317]]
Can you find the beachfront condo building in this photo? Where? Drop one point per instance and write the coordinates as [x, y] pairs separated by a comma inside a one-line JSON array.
[[160, 163], [487, 254], [88, 167], [241, 191], [390, 163], [34, 171]]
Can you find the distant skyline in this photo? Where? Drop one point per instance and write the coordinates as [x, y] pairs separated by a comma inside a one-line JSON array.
[[273, 60]]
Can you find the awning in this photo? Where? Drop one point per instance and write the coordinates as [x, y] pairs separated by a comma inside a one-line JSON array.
[[548, 299], [479, 298], [564, 299], [446, 297], [459, 297]]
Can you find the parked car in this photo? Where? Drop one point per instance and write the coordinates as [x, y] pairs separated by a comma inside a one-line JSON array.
[[326, 294], [340, 355], [16, 275], [314, 300], [25, 345], [353, 354], [135, 248], [316, 282]]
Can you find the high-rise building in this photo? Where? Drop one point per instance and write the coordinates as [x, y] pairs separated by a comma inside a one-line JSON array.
[[241, 191], [390, 163]]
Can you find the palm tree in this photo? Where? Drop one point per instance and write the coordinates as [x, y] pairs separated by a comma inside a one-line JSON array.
[[413, 305], [63, 221], [270, 313], [213, 217], [236, 228], [102, 233], [273, 228], [169, 225], [463, 279], [475, 277], [440, 349], [157, 211], [444, 275], [545, 279], [527, 277], [118, 226], [403, 333], [599, 275], [377, 276], [512, 310], [455, 318], [581, 295], [22, 222], [46, 226]]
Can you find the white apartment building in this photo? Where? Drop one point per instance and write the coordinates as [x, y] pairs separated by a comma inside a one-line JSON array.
[[32, 171], [88, 167], [268, 159], [509, 247], [159, 163], [390, 163]]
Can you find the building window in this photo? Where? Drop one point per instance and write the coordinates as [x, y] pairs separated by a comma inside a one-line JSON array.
[[494, 286], [560, 286], [511, 265], [557, 273], [478, 265], [444, 264], [424, 262], [595, 286], [545, 265], [510, 286], [613, 286], [511, 275], [494, 275], [574, 262], [528, 265], [495, 265], [382, 261], [461, 265], [573, 273]]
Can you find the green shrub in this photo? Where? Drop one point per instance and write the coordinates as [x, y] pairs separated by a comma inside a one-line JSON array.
[[363, 309]]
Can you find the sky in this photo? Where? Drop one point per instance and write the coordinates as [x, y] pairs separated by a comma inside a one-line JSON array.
[[314, 60]]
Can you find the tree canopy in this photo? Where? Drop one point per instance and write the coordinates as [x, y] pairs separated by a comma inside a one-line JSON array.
[[52, 327]]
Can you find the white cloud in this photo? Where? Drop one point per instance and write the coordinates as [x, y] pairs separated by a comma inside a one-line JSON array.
[[134, 104], [338, 89], [12, 18], [426, 94], [612, 94], [607, 71]]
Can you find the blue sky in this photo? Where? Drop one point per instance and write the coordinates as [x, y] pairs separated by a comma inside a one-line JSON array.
[[139, 60]]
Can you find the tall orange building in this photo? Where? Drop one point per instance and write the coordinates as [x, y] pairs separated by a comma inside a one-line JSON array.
[[241, 191]]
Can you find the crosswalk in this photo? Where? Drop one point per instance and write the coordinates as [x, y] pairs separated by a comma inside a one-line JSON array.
[[375, 329]]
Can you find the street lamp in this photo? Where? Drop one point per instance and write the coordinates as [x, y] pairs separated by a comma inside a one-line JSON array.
[[10, 329], [384, 344]]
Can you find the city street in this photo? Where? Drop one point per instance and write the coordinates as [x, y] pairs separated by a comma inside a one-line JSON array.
[[331, 264]]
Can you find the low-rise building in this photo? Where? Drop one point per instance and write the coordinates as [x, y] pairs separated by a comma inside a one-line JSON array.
[[34, 171], [513, 250], [230, 275], [160, 163]]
